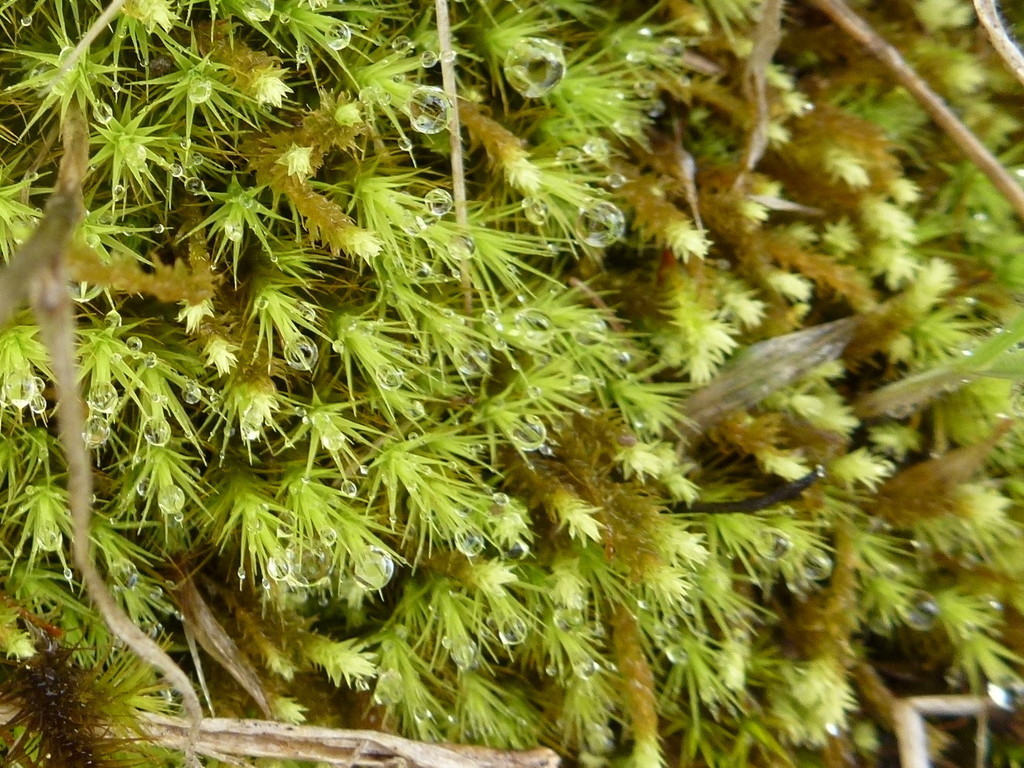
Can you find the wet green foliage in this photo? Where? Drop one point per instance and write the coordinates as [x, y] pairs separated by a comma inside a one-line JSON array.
[[434, 477]]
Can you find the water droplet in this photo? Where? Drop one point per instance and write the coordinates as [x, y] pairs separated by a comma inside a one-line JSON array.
[[194, 185], [500, 499], [402, 44], [475, 362], [462, 246], [470, 543], [529, 434], [170, 500], [518, 550], [415, 410], [333, 440], [438, 202], [374, 569], [597, 149], [338, 37], [389, 377], [258, 10], [534, 66], [150, 360], [817, 566], [241, 573], [48, 536], [192, 393], [250, 424], [465, 653], [19, 390], [142, 487], [600, 224], [586, 668], [102, 397], [278, 568], [923, 612], [404, 143], [157, 431], [580, 384], [301, 354], [389, 689], [350, 489], [615, 180], [513, 631], [429, 109], [428, 59], [113, 319], [676, 653], [102, 112], [773, 545], [311, 564], [535, 325], [535, 210], [95, 431], [200, 90], [26, 20]]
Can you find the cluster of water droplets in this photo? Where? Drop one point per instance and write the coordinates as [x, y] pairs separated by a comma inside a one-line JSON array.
[[24, 390]]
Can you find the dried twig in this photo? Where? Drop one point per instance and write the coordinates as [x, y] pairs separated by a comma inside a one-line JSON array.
[[91, 34], [38, 275], [908, 722], [766, 40], [1000, 38], [219, 737], [961, 135], [765, 368], [447, 56]]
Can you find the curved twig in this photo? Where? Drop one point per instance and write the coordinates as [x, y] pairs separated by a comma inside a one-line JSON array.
[[1000, 38], [976, 152]]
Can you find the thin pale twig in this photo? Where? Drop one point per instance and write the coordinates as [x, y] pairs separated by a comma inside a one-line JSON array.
[[767, 37], [1000, 38], [447, 57], [961, 135], [87, 39]]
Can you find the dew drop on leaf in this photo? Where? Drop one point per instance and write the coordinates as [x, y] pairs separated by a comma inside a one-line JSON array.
[[513, 631], [301, 354], [389, 377], [20, 389], [529, 434], [374, 569], [157, 432], [338, 37], [102, 397], [170, 500], [923, 612], [389, 689], [470, 543], [258, 10], [200, 90], [534, 66], [429, 109], [96, 431], [817, 566], [535, 210], [192, 393], [600, 224], [438, 202]]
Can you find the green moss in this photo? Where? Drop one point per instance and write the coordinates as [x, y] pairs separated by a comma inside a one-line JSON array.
[[433, 476]]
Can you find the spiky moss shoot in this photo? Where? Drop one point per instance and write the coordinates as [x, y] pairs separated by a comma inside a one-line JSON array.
[[430, 467]]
